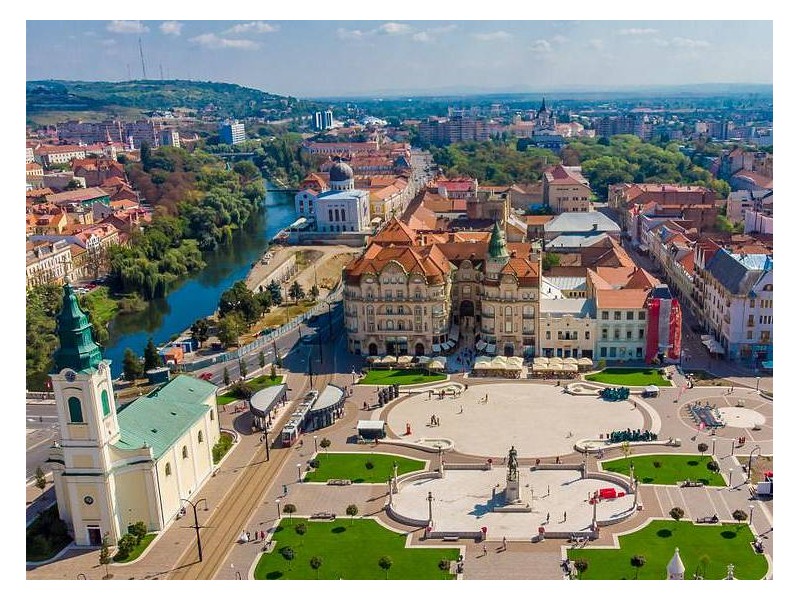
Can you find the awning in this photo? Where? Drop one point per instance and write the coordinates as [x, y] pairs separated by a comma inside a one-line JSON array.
[[480, 345], [491, 349], [403, 360], [437, 347], [714, 346], [423, 359]]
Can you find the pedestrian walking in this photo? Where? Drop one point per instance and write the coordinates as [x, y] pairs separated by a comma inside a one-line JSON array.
[[548, 492], [565, 516], [262, 535], [285, 489], [548, 518], [462, 409], [484, 549], [505, 546]]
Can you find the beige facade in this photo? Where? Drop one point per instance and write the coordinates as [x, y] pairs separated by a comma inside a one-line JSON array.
[[567, 328]]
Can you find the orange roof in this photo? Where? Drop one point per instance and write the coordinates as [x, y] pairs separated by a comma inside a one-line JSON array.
[[428, 261], [395, 232], [523, 269], [621, 298], [538, 219]]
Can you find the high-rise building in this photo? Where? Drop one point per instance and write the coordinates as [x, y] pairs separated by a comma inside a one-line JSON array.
[[232, 132], [327, 119]]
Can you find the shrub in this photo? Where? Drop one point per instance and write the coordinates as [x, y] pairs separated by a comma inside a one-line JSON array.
[[138, 530], [314, 463], [241, 390], [712, 466], [287, 552], [125, 546], [300, 529], [657, 464], [221, 447], [444, 564], [368, 465], [739, 515]]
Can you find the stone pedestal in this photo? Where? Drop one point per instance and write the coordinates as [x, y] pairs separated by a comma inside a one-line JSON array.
[[512, 492]]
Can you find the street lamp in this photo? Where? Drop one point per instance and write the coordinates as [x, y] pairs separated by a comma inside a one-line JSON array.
[[758, 382], [315, 444], [196, 525], [730, 477], [299, 473], [750, 460], [278, 502], [751, 514]]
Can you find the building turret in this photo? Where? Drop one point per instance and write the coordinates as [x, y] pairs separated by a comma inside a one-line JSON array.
[[78, 350]]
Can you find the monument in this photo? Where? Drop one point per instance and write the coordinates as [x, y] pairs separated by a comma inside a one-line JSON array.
[[513, 502]]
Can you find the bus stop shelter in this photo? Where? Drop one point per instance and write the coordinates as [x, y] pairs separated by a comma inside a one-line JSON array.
[[264, 402]]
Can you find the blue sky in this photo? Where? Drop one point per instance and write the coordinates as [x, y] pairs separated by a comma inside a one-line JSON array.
[[317, 58]]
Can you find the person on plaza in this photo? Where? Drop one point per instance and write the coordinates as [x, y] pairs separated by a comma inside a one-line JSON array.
[[548, 518], [565, 516], [484, 549], [262, 535], [505, 546]]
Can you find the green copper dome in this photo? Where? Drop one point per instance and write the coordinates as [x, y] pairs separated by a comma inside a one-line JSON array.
[[497, 243], [78, 350]]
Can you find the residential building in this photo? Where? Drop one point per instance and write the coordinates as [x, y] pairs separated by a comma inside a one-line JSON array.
[[47, 262], [455, 129], [575, 229], [232, 132], [737, 303], [113, 468], [566, 190], [170, 137], [567, 327]]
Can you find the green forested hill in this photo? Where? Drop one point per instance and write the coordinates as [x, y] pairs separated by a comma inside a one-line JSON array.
[[229, 99]]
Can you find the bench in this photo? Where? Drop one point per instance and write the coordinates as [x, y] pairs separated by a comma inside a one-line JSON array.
[[339, 482], [692, 484], [707, 520], [450, 538], [324, 515]]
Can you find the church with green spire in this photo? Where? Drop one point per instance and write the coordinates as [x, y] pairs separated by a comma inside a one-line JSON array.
[[116, 466]]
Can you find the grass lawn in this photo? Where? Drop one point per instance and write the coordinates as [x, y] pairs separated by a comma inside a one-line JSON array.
[[674, 468], [349, 549], [721, 544], [634, 377], [400, 377], [257, 384], [137, 552], [351, 465]]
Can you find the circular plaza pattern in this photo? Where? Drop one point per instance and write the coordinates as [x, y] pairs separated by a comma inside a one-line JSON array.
[[539, 420], [744, 418], [463, 501]]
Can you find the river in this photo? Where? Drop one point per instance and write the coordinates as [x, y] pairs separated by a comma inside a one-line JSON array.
[[197, 296]]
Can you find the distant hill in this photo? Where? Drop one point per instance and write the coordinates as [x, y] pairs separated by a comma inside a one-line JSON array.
[[228, 100]]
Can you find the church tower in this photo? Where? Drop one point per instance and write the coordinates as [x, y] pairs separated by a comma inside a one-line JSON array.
[[498, 253], [87, 421]]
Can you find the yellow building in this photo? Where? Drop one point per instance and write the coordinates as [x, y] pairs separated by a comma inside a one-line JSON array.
[[112, 469]]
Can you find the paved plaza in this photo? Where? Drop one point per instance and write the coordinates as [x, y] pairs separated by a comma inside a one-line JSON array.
[[463, 501], [539, 420]]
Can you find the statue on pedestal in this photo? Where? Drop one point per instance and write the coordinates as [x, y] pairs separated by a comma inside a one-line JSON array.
[[512, 465]]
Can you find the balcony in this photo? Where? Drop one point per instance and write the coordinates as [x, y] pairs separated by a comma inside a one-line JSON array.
[[531, 316]]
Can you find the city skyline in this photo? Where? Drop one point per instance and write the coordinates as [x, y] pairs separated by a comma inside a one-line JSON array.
[[352, 58]]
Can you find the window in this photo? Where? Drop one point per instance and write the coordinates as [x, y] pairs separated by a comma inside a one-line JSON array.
[[641, 315], [586, 335], [628, 335], [168, 469], [603, 351], [547, 335], [75, 411], [605, 315], [617, 315], [199, 437], [185, 452], [752, 302], [604, 335], [638, 352], [613, 353], [212, 415], [750, 334], [330, 214], [616, 334], [629, 315], [104, 401], [641, 334]]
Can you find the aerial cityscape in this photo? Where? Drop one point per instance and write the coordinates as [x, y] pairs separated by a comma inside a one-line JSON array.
[[319, 312]]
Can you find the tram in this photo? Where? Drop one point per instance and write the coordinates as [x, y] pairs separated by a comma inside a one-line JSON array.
[[292, 430]]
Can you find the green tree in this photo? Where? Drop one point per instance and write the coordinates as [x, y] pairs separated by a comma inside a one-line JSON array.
[[105, 555], [550, 260], [272, 372], [676, 513], [385, 563], [325, 443], [151, 357], [314, 292], [739, 515], [131, 365], [229, 329], [352, 511], [125, 546], [226, 376], [581, 564], [242, 367], [296, 292], [637, 562], [262, 360], [315, 563], [138, 530], [41, 481], [287, 552], [290, 509], [274, 289], [702, 448], [199, 331]]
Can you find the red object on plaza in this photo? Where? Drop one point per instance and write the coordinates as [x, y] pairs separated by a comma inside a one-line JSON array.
[[607, 493]]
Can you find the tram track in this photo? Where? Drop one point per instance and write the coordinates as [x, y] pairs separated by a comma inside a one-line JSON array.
[[232, 514]]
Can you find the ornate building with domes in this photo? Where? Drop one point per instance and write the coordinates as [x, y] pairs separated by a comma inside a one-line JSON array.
[[342, 208], [114, 467]]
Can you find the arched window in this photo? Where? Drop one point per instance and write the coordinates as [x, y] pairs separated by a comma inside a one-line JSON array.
[[330, 214], [212, 415], [168, 469], [75, 411], [185, 452], [104, 401], [199, 437]]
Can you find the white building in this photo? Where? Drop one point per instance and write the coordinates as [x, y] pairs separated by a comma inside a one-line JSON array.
[[232, 132], [114, 469], [342, 208]]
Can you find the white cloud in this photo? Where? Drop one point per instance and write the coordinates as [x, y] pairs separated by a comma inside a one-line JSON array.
[[560, 39], [252, 27], [213, 41], [541, 47], [493, 36], [108, 42], [350, 34], [637, 31], [171, 27], [395, 28], [679, 42], [596, 44], [443, 28], [422, 36], [127, 27]]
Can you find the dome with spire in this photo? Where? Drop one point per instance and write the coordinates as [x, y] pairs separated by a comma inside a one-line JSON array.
[[340, 171], [77, 350], [497, 243]]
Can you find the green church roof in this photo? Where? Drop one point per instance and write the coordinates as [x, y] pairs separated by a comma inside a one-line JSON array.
[[163, 416], [77, 348], [497, 243]]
